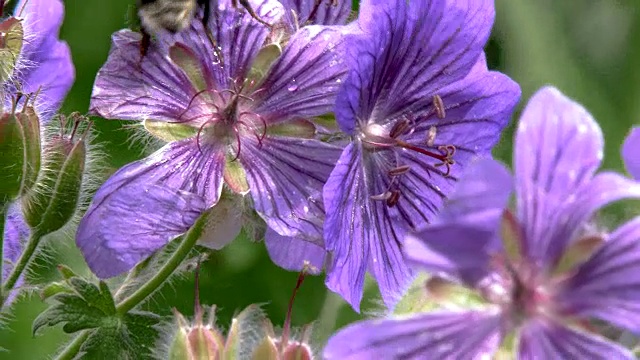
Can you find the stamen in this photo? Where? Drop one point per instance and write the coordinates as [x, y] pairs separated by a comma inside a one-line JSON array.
[[400, 170], [247, 6], [399, 128], [193, 98], [381, 197], [394, 198], [431, 136], [449, 151], [439, 106], [238, 142]]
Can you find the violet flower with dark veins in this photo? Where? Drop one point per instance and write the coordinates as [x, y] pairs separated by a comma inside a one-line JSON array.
[[43, 67], [228, 126], [543, 272], [418, 103]]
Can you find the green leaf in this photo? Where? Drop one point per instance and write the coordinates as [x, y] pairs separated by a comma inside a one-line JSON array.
[[88, 307], [132, 337]]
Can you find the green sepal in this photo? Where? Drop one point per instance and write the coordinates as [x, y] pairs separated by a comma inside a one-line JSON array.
[[297, 128], [30, 123], [54, 200], [235, 176], [191, 65], [169, 132], [266, 350], [263, 61], [66, 272], [11, 158], [53, 289]]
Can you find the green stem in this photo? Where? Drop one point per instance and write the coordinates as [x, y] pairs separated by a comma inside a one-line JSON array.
[[74, 346], [189, 240], [3, 215], [21, 265], [167, 269]]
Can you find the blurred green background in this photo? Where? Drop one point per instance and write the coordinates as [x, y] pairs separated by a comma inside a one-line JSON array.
[[589, 49]]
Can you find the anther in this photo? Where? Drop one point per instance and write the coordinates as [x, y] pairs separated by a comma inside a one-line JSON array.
[[381, 197], [394, 198], [439, 106], [431, 136], [400, 170], [399, 128]]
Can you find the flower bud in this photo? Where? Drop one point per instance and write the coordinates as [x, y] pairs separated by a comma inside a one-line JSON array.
[[54, 198], [11, 158], [196, 342], [30, 123]]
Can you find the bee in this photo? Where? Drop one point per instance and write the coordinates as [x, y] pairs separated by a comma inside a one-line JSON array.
[[176, 15]]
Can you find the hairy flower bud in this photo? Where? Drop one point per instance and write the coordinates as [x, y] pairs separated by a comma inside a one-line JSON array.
[[11, 41], [54, 198], [11, 157], [30, 124], [198, 341]]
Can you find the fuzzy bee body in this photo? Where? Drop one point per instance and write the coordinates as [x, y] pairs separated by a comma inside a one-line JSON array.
[[171, 15]]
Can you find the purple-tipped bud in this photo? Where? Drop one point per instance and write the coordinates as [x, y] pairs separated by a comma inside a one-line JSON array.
[[198, 341], [54, 199]]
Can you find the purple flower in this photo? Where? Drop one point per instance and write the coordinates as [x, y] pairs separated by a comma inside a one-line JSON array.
[[44, 64], [251, 133], [631, 152], [418, 103], [544, 272]]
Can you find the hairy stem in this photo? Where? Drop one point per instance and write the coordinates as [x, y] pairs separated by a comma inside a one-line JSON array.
[[3, 215], [72, 349], [21, 265], [167, 269]]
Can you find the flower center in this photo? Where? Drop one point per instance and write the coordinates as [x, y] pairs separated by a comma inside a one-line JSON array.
[[224, 117], [377, 138]]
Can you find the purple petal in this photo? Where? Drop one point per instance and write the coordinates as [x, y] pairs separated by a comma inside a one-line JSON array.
[[457, 250], [361, 233], [545, 340], [481, 195], [326, 13], [578, 208], [16, 232], [392, 75], [45, 62], [285, 177], [127, 89], [558, 148], [607, 286], [631, 153], [146, 204], [304, 80], [292, 253], [465, 335], [239, 35], [462, 239]]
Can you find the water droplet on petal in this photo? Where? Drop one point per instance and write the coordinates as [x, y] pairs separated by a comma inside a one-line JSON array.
[[293, 87]]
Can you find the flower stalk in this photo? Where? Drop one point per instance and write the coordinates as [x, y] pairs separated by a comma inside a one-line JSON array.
[[21, 265]]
